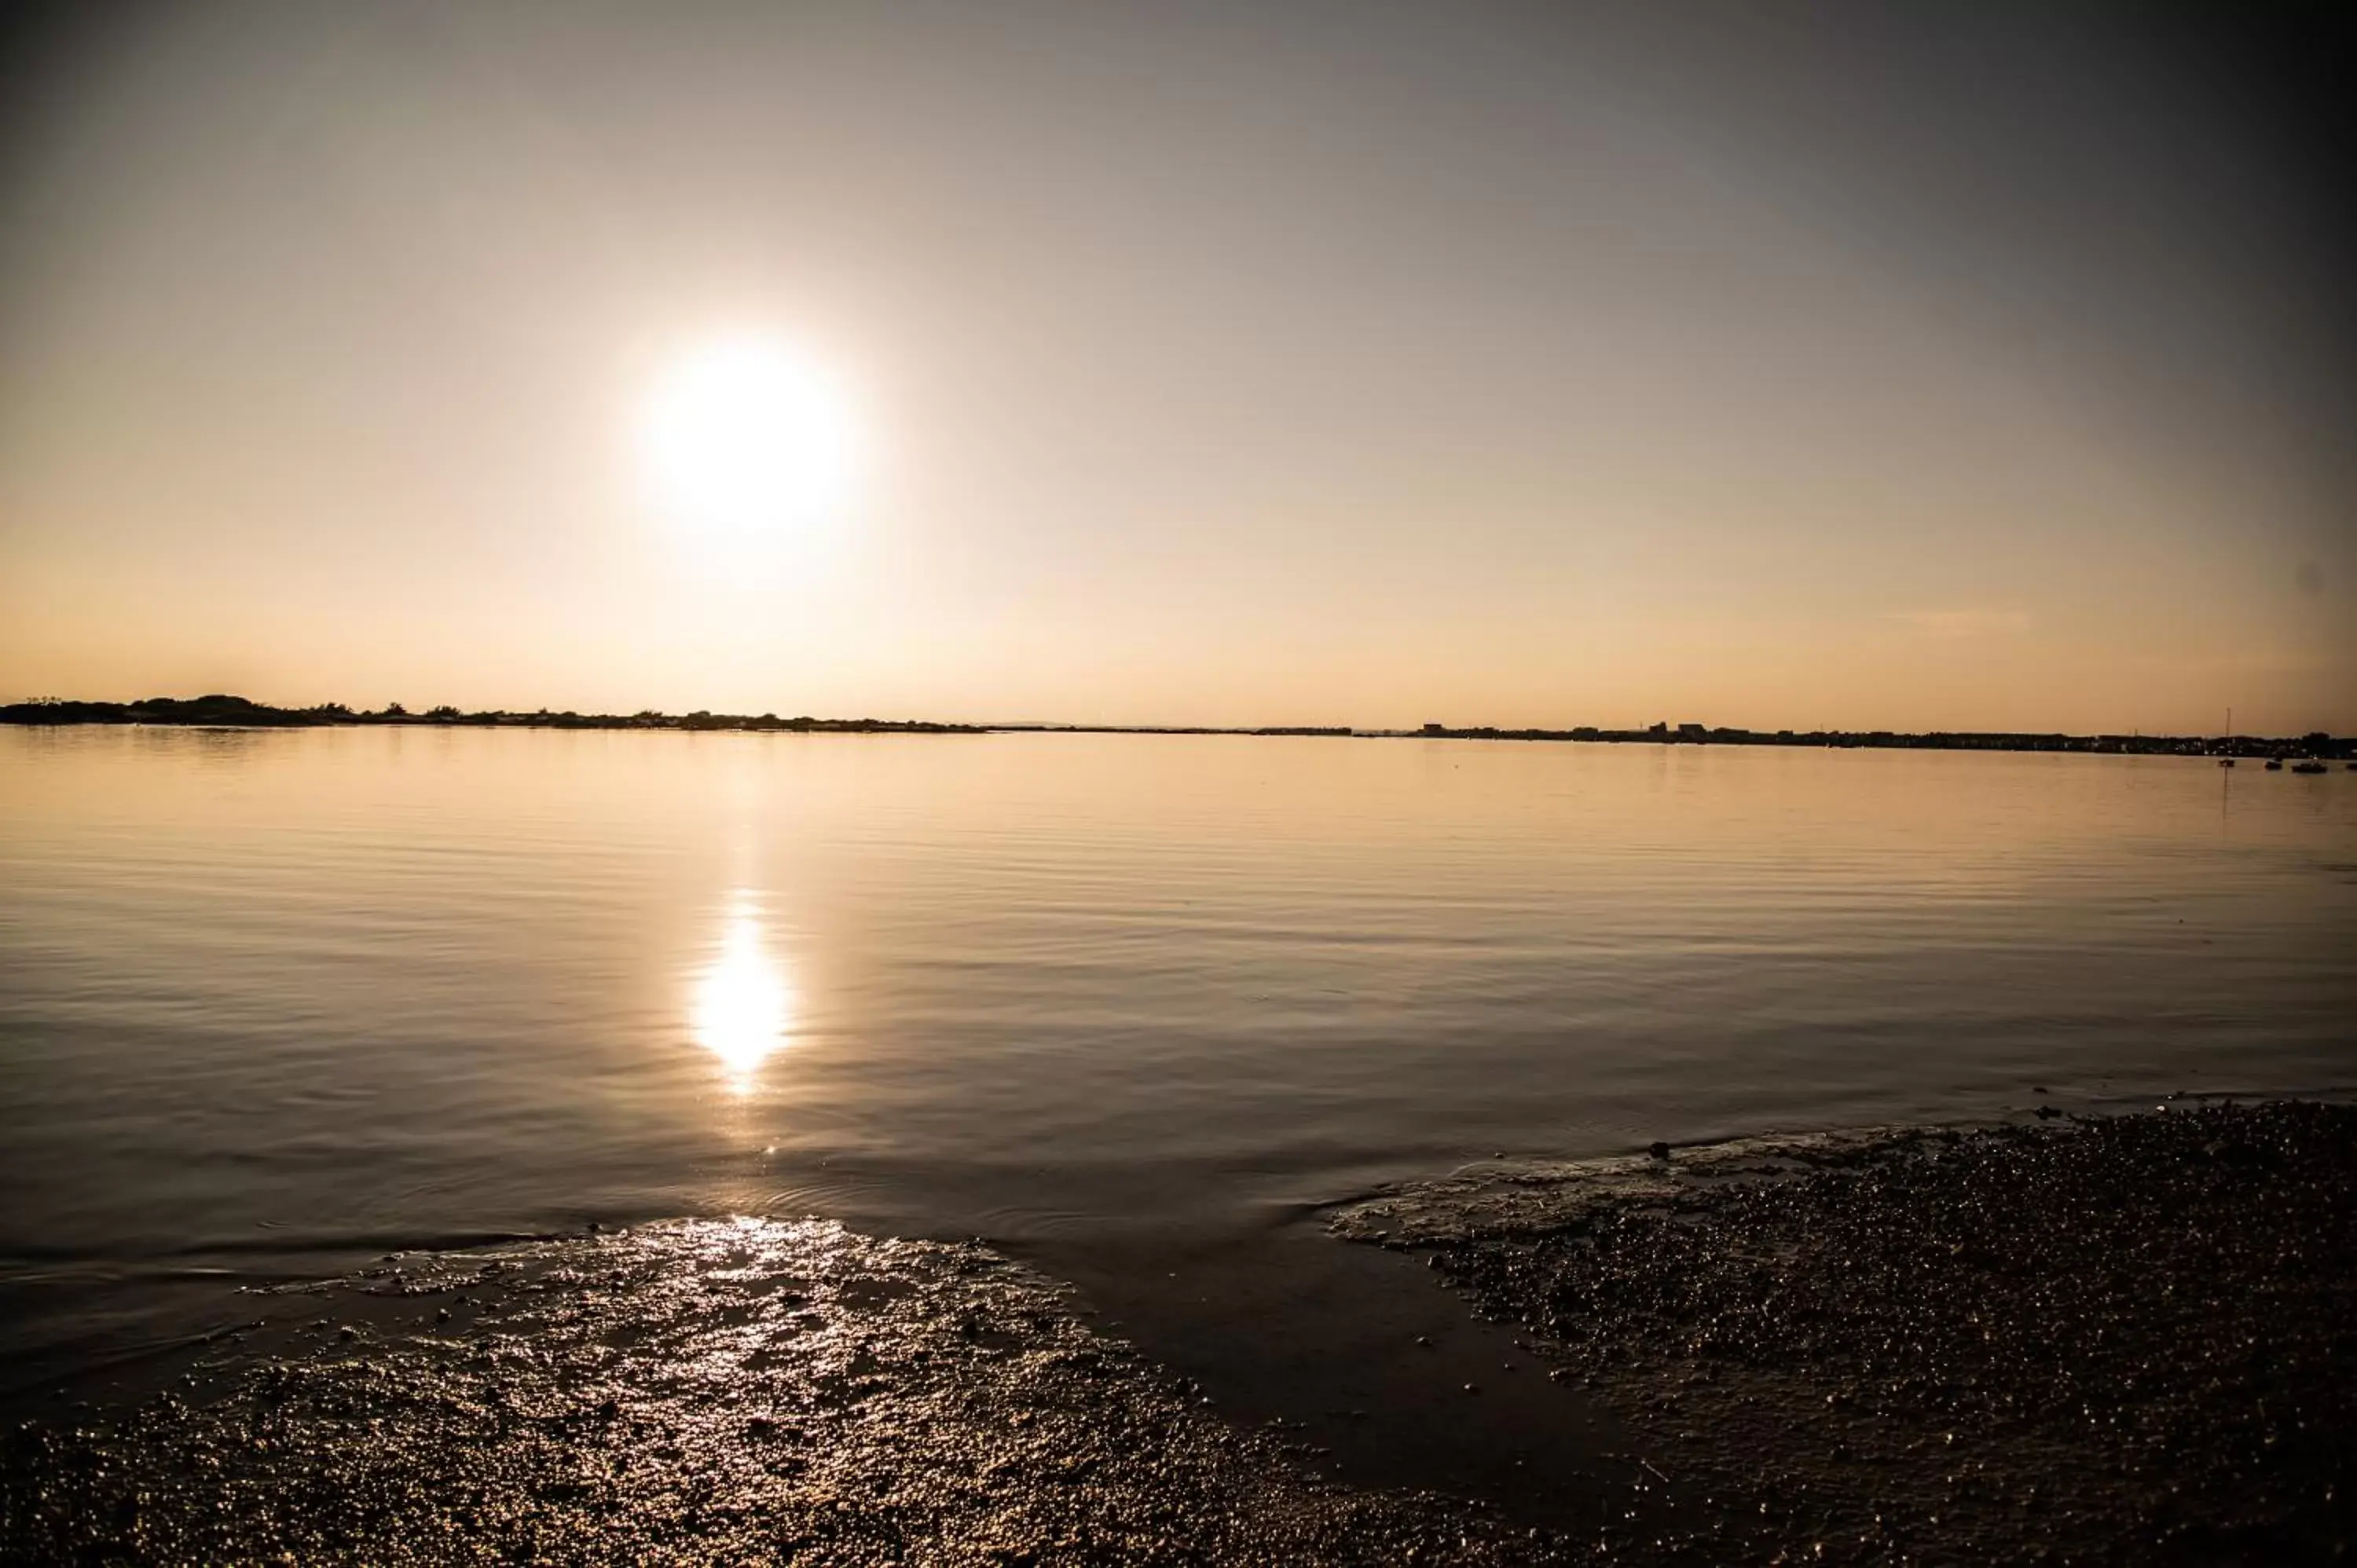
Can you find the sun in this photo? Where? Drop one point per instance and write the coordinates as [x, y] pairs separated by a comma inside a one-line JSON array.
[[747, 437]]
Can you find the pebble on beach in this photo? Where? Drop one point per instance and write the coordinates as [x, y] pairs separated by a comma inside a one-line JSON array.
[[2104, 1339]]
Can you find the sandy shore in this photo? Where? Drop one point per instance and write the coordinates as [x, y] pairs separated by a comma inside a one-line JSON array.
[[695, 1391], [2130, 1340], [2123, 1339]]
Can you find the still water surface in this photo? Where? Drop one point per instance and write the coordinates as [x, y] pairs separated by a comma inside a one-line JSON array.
[[271, 996]]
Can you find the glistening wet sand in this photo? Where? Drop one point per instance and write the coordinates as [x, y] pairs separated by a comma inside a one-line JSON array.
[[697, 1392], [2123, 1339]]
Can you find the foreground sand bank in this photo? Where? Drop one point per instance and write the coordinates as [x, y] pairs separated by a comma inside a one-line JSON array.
[[714, 1391], [2126, 1340]]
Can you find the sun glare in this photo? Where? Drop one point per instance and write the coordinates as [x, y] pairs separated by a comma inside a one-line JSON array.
[[743, 1007], [747, 437]]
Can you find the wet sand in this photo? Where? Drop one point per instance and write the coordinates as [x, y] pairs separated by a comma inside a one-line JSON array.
[[696, 1391], [2126, 1340], [1356, 1354]]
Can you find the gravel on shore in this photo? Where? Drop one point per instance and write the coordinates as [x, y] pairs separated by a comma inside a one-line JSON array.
[[697, 1392], [2112, 1339], [2128, 1340]]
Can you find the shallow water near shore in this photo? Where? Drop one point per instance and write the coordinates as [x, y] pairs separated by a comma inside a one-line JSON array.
[[1128, 1007]]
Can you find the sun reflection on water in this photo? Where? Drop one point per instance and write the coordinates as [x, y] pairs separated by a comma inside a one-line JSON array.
[[743, 1005]]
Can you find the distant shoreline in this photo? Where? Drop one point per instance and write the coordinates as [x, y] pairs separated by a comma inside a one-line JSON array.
[[221, 711]]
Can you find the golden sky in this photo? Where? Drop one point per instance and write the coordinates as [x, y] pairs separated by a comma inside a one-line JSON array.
[[1872, 367]]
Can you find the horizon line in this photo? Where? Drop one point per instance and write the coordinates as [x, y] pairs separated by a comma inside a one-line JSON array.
[[220, 708]]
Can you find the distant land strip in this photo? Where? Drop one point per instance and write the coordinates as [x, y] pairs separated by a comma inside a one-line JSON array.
[[219, 711], [222, 712]]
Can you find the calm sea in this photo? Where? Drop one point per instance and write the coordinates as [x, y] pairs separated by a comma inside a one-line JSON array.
[[268, 999]]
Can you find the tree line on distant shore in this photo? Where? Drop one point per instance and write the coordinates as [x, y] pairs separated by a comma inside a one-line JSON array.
[[222, 711], [2317, 743]]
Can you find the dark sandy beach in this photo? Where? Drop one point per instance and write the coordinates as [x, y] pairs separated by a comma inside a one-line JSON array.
[[2121, 1339], [2130, 1340], [697, 1392]]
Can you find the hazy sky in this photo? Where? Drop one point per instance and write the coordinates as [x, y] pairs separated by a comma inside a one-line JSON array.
[[1902, 366]]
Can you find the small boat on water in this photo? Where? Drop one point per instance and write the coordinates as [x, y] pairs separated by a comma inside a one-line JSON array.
[[2307, 768], [2225, 762], [2274, 765]]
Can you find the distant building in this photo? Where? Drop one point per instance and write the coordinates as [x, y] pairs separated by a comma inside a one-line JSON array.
[[1693, 732], [1436, 729]]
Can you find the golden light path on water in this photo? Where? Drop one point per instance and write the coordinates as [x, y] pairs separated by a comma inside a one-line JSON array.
[[744, 1006]]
